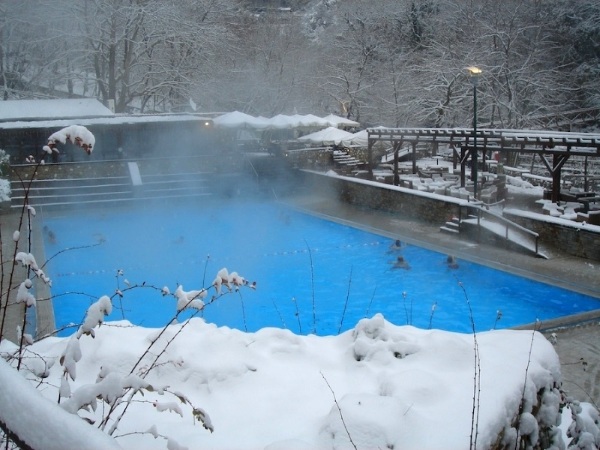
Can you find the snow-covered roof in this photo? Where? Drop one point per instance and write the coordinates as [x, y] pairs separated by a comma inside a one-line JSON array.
[[14, 110], [112, 120]]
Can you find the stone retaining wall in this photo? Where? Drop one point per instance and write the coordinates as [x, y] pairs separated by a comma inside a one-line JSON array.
[[71, 170], [572, 239], [118, 168], [425, 206]]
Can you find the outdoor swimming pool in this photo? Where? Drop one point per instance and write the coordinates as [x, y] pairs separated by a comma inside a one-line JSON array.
[[312, 275]]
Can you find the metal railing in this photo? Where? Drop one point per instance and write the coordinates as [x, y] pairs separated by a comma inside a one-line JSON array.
[[509, 225]]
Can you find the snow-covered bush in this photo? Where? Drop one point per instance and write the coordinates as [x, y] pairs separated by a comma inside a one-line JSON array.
[[76, 134], [584, 429], [5, 189]]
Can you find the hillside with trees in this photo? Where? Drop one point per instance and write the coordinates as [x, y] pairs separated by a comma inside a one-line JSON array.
[[378, 62]]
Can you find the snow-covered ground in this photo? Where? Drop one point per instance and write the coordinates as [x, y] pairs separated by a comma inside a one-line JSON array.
[[376, 386]]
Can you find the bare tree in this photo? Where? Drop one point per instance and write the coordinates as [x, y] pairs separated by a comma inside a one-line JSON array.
[[266, 65], [398, 63], [28, 49], [350, 64], [576, 29], [146, 53]]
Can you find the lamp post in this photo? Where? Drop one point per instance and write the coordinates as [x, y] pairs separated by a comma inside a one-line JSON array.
[[474, 73]]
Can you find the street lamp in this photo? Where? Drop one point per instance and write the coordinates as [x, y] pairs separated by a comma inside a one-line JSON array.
[[474, 73]]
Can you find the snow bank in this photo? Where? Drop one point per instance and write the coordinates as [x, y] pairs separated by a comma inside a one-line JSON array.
[[39, 422], [376, 386]]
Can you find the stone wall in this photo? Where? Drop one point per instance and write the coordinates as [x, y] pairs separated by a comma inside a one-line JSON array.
[[118, 168], [71, 170], [426, 206], [572, 239]]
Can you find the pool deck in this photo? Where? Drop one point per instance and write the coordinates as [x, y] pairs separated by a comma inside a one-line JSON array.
[[577, 338], [44, 313]]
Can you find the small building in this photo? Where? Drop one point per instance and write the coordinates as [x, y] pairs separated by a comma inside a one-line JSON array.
[[26, 124]]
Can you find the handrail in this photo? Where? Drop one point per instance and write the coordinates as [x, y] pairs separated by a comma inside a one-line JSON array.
[[249, 161], [507, 222]]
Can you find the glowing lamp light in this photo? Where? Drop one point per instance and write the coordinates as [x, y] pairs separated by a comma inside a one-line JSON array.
[[474, 71]]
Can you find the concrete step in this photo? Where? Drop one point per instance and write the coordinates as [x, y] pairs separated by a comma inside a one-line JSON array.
[[451, 230]]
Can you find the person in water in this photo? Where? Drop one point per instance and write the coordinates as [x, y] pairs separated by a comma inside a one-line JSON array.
[[401, 263], [451, 261], [396, 245], [50, 234]]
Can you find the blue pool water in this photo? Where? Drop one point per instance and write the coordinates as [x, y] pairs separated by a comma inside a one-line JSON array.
[[312, 275]]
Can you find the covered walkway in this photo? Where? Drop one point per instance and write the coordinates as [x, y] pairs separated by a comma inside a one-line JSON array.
[[553, 148]]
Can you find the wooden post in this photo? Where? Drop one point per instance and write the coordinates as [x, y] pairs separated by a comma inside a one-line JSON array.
[[414, 157], [370, 143], [397, 145]]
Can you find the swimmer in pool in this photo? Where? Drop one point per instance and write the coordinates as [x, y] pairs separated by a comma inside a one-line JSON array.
[[451, 261], [396, 245], [401, 263], [50, 235]]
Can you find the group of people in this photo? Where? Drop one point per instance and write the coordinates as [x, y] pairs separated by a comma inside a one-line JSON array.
[[401, 263]]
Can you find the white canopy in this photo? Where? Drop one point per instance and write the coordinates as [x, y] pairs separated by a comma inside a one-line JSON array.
[[310, 120], [238, 119], [281, 121], [360, 138], [336, 121], [327, 136]]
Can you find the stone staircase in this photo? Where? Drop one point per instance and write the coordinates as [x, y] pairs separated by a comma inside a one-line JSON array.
[[452, 226]]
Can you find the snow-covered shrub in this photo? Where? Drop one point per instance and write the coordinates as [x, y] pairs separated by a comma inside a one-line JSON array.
[[584, 430], [76, 134], [5, 189], [4, 163]]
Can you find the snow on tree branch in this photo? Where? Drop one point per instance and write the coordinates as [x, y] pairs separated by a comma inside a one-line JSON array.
[[109, 389], [23, 294], [95, 316], [27, 260], [189, 299]]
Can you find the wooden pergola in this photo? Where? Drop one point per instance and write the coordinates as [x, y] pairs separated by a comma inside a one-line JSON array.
[[553, 148]]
